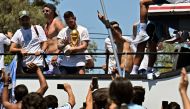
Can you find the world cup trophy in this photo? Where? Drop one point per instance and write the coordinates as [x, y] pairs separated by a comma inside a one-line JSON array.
[[74, 41]]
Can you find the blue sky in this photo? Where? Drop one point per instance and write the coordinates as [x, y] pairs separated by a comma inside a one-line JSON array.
[[126, 12]]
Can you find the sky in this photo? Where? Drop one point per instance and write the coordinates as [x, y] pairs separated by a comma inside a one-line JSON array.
[[125, 12]]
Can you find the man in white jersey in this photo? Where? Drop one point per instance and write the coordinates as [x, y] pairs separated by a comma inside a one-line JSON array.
[[75, 38], [4, 40], [144, 6], [29, 39]]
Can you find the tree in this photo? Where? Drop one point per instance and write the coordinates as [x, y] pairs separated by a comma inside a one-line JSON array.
[[10, 9]]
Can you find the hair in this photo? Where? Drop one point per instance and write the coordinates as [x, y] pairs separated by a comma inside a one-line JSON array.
[[117, 27], [138, 95], [52, 7], [100, 97], [20, 91], [68, 14], [52, 101], [114, 22], [33, 101], [173, 105], [121, 91]]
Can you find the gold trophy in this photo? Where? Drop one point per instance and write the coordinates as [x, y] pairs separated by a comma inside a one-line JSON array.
[[74, 35], [74, 41]]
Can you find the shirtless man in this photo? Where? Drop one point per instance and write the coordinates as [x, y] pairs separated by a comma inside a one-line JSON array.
[[52, 28], [126, 61]]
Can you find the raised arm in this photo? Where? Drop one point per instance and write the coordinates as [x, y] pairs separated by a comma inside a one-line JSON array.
[[183, 89], [42, 79], [89, 98], [116, 34], [43, 82], [71, 97], [5, 95]]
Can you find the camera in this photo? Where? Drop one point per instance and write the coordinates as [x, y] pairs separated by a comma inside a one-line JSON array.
[[60, 86]]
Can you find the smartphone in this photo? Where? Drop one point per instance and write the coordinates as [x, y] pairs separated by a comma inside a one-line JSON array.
[[164, 104], [60, 86], [94, 83], [84, 104]]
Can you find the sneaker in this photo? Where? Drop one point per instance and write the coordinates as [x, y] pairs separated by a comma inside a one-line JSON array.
[[134, 73], [141, 37], [150, 76]]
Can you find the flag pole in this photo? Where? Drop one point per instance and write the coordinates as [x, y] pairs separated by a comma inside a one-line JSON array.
[[111, 39]]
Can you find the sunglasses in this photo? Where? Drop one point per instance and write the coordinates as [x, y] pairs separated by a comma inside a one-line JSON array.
[[46, 11]]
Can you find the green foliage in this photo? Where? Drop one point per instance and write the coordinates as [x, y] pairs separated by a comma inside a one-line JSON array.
[[166, 60], [8, 59], [10, 9], [92, 47]]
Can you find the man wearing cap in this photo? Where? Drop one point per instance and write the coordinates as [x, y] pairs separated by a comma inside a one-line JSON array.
[[52, 28], [29, 39], [74, 38], [123, 45]]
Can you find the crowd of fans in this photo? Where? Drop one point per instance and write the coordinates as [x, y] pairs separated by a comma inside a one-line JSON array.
[[121, 94]]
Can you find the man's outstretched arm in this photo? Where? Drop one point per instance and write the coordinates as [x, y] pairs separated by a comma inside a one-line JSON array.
[[42, 79]]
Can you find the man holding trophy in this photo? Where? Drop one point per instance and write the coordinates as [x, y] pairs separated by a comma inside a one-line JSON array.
[[72, 39]]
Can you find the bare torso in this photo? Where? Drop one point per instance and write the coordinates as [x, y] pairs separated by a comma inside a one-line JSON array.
[[125, 60], [52, 31]]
